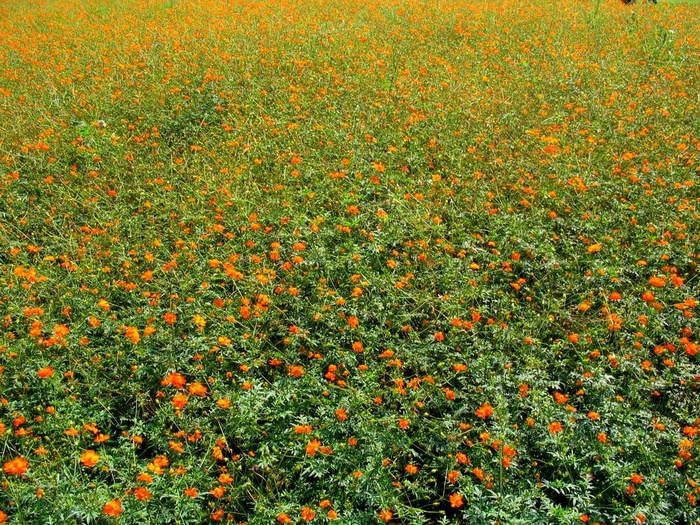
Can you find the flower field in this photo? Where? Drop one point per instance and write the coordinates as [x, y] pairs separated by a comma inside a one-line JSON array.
[[347, 262]]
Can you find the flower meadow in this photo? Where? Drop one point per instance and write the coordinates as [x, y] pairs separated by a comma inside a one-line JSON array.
[[346, 262]]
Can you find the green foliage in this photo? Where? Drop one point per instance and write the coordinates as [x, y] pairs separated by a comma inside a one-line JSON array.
[[297, 261]]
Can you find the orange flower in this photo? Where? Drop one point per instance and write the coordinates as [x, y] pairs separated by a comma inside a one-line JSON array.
[[16, 467], [456, 500], [3, 517], [341, 414], [142, 493], [113, 508], [296, 371], [648, 296], [191, 492], [484, 411], [313, 446], [89, 458], [404, 424], [225, 478], [45, 372], [307, 514], [303, 429], [386, 515], [555, 427], [283, 518], [197, 389], [179, 401], [658, 282], [176, 379]]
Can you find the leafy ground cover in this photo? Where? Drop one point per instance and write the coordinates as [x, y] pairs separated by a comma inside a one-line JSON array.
[[327, 261]]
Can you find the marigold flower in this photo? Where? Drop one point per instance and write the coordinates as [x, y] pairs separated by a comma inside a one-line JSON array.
[[313, 446], [636, 478], [89, 458], [225, 478], [404, 424], [142, 493], [191, 492], [179, 401], [197, 389], [656, 281], [456, 500], [555, 427], [296, 371], [386, 515], [45, 372], [113, 508], [484, 411], [307, 514], [16, 467], [283, 518]]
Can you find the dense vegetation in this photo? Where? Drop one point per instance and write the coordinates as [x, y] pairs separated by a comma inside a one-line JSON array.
[[354, 262]]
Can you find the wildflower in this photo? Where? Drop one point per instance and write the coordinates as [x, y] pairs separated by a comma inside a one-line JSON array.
[[411, 469], [16, 467], [224, 403], [142, 493], [313, 446], [555, 427], [404, 424], [341, 414], [452, 476], [45, 372], [296, 371], [283, 518], [197, 389], [560, 398], [303, 429], [179, 401], [113, 508], [89, 458], [191, 492], [456, 500], [386, 515], [658, 282], [225, 478], [307, 514], [484, 411], [217, 492]]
